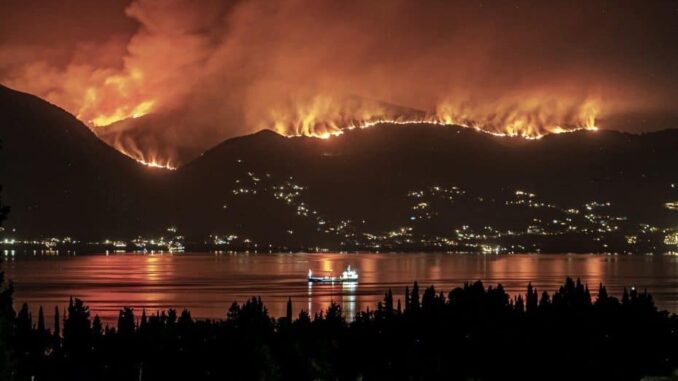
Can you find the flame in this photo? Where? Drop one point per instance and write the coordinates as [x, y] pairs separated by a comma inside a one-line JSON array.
[[325, 117], [146, 159], [528, 117], [435, 122], [322, 116], [117, 97], [121, 95], [531, 119], [157, 164]]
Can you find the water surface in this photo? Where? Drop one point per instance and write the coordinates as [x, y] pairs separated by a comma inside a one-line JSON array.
[[207, 284]]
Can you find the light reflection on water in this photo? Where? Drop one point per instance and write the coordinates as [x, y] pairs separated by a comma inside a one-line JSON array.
[[208, 283]]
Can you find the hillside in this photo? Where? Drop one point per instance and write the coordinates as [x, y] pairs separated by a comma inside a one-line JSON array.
[[60, 179], [367, 178]]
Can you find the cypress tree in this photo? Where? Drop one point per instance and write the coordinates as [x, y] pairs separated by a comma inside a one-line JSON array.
[[96, 326], [144, 320], [41, 321], [57, 329], [407, 298], [414, 298], [532, 299], [288, 314], [388, 302]]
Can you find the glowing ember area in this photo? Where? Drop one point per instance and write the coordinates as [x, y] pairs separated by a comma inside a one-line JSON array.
[[326, 116], [531, 119], [154, 162], [117, 97], [122, 113], [510, 132]]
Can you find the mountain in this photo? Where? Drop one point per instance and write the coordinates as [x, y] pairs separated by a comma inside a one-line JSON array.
[[160, 138], [384, 187], [367, 176], [178, 136], [60, 179]]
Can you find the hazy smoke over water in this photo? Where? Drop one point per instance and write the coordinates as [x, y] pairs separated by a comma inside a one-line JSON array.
[[212, 69]]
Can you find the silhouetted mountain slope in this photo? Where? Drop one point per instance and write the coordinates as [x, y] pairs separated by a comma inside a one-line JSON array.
[[60, 179], [367, 174], [158, 137], [163, 136]]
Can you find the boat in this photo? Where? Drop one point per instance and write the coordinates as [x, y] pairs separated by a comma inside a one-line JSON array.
[[349, 275]]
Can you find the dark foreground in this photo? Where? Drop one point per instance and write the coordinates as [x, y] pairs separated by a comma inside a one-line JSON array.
[[471, 333]]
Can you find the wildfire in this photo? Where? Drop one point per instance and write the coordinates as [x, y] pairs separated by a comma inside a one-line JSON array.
[[139, 157], [157, 164], [530, 117], [117, 97], [526, 121], [324, 116], [435, 122], [122, 96]]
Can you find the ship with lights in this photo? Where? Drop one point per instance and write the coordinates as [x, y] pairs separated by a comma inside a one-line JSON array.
[[349, 275]]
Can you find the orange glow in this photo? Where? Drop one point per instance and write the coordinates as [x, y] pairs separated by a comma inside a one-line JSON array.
[[157, 164], [322, 116], [522, 128], [212, 70], [529, 116], [117, 97], [153, 162]]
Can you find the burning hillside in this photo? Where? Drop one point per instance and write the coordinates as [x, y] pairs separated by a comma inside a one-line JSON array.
[[152, 139], [172, 79]]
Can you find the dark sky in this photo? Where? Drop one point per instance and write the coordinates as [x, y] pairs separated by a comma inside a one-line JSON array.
[[232, 67]]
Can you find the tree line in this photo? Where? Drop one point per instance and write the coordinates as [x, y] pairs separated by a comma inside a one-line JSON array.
[[472, 332]]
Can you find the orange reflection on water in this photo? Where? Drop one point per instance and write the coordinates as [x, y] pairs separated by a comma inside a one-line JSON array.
[[208, 283]]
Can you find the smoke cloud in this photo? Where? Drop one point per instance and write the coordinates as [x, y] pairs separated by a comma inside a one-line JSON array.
[[170, 78]]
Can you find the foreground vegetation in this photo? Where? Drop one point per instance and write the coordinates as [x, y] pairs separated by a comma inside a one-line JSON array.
[[473, 332]]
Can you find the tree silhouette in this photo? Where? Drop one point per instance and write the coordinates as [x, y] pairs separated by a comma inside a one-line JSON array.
[[4, 209], [447, 338], [41, 321], [531, 299], [388, 303], [126, 322], [57, 322], [289, 309], [414, 298], [7, 313], [77, 328], [24, 323], [97, 328], [143, 323], [304, 318]]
